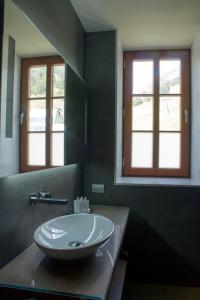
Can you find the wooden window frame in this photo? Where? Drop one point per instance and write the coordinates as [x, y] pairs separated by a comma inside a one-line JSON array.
[[49, 61], [184, 56]]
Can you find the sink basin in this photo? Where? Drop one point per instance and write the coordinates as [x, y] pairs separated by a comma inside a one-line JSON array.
[[73, 236]]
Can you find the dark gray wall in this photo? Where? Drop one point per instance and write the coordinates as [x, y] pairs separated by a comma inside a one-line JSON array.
[[58, 22], [18, 219], [163, 237], [75, 118]]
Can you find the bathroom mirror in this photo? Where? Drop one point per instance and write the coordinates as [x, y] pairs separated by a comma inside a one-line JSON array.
[[33, 99]]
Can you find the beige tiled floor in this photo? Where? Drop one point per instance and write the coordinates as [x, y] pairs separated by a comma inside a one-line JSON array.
[[137, 291]]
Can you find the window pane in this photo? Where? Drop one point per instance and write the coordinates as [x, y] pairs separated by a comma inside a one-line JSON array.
[[58, 115], [142, 150], [36, 149], [142, 113], [37, 81], [142, 77], [57, 149], [170, 113], [169, 150], [170, 76], [58, 80], [37, 115]]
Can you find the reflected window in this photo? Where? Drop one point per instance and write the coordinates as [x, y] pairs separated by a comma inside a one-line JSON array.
[[42, 113]]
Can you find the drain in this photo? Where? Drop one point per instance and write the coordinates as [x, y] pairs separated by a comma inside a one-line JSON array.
[[75, 244]]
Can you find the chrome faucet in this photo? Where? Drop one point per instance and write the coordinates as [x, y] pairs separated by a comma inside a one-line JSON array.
[[46, 198]]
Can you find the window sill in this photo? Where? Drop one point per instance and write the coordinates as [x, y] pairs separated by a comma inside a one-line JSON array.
[[194, 181], [146, 181]]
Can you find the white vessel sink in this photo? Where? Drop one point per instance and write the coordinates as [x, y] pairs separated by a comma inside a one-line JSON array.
[[73, 236]]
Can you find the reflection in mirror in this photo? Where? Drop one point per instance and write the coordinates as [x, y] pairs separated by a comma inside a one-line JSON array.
[[58, 115], [37, 115], [37, 81], [57, 157], [34, 100], [36, 149], [58, 74], [44, 77]]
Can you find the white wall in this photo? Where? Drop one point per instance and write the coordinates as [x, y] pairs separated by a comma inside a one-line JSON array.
[[9, 147], [195, 124]]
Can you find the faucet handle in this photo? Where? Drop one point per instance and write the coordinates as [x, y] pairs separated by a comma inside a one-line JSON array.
[[32, 198], [43, 194]]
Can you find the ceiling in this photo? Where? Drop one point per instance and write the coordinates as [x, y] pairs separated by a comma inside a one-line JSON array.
[[143, 24], [29, 41]]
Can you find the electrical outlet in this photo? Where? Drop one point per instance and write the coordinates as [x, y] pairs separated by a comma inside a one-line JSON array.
[[98, 188]]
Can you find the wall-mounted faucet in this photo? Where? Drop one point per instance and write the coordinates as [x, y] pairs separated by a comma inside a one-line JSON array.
[[46, 198]]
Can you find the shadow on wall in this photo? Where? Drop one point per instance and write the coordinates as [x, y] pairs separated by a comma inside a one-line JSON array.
[[75, 114], [18, 220]]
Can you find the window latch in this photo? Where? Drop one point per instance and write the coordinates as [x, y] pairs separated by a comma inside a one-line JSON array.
[[186, 115], [124, 64], [22, 115]]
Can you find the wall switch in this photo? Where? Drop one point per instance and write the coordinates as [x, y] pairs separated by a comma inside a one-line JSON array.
[[98, 188]]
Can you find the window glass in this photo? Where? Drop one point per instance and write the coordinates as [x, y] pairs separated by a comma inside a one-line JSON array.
[[170, 77], [142, 77], [58, 80], [142, 152], [37, 81], [36, 149], [142, 113]]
